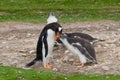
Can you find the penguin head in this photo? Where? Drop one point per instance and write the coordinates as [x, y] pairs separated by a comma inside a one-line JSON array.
[[52, 18], [58, 33], [56, 29]]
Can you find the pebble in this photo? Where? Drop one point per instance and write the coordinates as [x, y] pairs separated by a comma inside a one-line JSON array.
[[65, 59], [71, 60], [108, 27], [32, 51], [106, 45], [28, 35], [71, 54], [7, 47], [67, 51], [58, 61], [4, 42], [23, 51], [55, 69], [0, 47], [12, 37], [99, 46], [24, 55], [14, 62], [106, 68]]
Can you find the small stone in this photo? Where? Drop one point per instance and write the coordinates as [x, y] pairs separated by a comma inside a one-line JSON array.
[[7, 47], [71, 60], [66, 51], [28, 35], [57, 60], [108, 27], [65, 59], [22, 51], [14, 62], [24, 55], [0, 47], [55, 69], [32, 51], [95, 65], [106, 68], [12, 37], [106, 45], [71, 54], [99, 46], [4, 42]]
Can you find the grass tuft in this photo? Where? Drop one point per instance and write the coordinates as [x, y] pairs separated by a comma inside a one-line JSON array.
[[10, 73], [66, 10]]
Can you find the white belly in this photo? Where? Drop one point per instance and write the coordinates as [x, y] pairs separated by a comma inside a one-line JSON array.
[[51, 41]]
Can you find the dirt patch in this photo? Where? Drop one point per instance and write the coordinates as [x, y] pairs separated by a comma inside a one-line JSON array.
[[18, 45]]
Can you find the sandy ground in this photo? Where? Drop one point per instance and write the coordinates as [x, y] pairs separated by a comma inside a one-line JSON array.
[[18, 44]]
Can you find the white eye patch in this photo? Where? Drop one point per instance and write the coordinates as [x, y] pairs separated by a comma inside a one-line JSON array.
[[59, 28]]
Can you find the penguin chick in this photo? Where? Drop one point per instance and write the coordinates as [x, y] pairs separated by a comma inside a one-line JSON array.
[[52, 18], [87, 37], [81, 47], [47, 38]]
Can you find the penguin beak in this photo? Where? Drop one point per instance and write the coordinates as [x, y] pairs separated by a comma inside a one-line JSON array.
[[58, 35]]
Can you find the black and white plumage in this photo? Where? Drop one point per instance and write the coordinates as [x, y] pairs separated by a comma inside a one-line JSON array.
[[81, 47], [85, 36], [47, 38]]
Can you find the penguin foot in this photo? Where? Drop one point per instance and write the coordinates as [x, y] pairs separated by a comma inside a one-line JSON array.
[[47, 66], [79, 65]]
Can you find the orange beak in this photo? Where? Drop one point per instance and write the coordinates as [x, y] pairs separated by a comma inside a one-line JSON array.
[[59, 34], [56, 36]]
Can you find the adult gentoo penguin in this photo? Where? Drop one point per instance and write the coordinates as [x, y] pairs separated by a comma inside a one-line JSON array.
[[47, 38], [81, 47]]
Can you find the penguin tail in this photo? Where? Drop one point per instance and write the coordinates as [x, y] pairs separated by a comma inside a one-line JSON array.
[[32, 62]]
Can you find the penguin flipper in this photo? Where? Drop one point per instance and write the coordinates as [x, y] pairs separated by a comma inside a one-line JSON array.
[[90, 51], [86, 52]]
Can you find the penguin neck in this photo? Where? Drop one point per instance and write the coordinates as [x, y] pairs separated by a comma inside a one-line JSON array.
[[65, 42]]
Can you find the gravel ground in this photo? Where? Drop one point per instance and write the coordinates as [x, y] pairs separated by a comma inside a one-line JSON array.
[[18, 44]]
